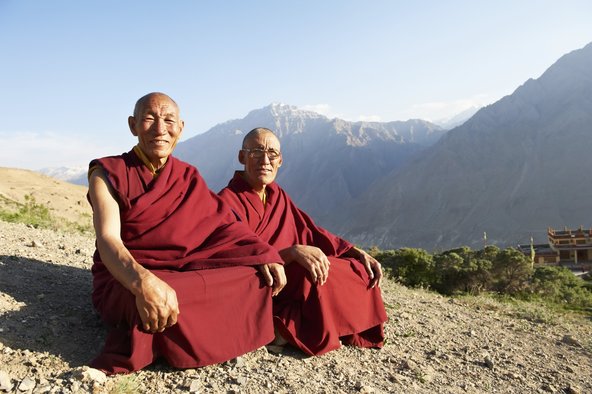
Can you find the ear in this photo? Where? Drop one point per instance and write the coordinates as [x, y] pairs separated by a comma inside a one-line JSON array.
[[131, 122], [281, 160], [242, 157]]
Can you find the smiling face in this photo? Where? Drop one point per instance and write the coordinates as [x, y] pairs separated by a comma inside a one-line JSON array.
[[260, 171], [157, 125]]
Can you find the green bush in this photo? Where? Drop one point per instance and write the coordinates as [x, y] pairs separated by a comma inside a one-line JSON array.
[[506, 274], [31, 213]]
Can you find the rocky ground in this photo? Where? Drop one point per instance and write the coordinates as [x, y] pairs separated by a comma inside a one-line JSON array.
[[48, 332]]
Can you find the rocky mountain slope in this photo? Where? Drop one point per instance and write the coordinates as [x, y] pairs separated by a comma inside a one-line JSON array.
[[327, 162], [435, 344], [515, 168]]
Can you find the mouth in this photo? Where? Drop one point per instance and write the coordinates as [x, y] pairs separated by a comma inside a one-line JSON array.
[[159, 143], [263, 170]]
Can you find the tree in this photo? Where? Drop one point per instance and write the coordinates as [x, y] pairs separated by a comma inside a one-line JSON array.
[[412, 267], [461, 270], [511, 271]]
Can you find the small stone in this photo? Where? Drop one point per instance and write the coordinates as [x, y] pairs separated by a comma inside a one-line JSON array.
[[367, 390], [43, 388], [572, 390], [239, 362], [569, 369], [78, 251], [5, 381], [549, 388], [488, 362], [27, 384], [409, 364], [87, 374], [569, 340], [194, 386], [242, 380], [36, 244]]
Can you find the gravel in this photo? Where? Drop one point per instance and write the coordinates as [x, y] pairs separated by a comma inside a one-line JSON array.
[[435, 344]]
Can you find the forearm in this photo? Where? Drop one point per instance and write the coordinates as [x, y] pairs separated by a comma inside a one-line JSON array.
[[287, 255], [354, 252], [122, 265]]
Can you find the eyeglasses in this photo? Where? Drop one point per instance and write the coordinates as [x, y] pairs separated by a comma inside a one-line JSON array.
[[258, 153]]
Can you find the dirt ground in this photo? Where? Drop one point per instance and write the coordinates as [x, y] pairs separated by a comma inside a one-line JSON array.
[[435, 344]]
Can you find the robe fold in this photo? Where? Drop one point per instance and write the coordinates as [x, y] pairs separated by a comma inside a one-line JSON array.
[[314, 318], [183, 233]]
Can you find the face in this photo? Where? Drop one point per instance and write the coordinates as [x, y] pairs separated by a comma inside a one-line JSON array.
[[260, 172], [158, 127]]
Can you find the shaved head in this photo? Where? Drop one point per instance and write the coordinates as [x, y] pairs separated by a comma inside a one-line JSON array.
[[254, 133], [145, 99]]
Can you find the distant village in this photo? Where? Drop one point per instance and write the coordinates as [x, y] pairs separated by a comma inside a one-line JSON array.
[[567, 248]]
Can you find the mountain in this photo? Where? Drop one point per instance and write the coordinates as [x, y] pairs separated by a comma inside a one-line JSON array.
[[457, 119], [75, 175], [515, 168], [327, 162]]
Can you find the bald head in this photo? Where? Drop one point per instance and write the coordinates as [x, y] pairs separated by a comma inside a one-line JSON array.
[[144, 100], [256, 132]]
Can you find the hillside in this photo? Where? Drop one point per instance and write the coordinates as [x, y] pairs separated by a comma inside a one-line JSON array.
[[64, 200], [435, 344], [512, 170]]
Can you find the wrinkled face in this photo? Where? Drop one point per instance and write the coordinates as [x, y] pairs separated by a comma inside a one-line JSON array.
[[260, 171], [158, 127]]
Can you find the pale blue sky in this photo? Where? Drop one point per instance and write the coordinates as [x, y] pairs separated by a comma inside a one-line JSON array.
[[70, 71]]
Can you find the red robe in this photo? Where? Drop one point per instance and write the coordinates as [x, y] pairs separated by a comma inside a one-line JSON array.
[[313, 318], [177, 228]]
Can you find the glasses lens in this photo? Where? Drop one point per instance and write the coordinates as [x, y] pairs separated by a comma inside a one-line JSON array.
[[258, 153]]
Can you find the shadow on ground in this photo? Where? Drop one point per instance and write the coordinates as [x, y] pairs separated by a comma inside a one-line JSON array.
[[57, 316]]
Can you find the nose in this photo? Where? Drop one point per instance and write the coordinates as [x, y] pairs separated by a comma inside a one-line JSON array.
[[265, 158], [160, 126]]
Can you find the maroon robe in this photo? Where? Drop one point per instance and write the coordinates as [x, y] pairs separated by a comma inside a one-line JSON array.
[[182, 232], [314, 318]]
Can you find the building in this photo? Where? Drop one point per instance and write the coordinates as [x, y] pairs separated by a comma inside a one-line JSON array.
[[573, 246], [567, 248]]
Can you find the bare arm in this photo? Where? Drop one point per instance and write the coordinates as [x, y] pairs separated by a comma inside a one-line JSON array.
[[311, 258], [373, 267], [156, 301]]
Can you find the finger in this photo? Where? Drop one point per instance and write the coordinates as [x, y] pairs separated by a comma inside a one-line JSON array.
[[369, 269], [172, 320], [379, 274], [162, 324], [267, 275]]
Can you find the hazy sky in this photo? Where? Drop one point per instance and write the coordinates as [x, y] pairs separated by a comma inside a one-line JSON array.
[[71, 71]]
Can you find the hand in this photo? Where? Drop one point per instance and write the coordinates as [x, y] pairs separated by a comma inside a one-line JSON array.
[[274, 276], [314, 260], [373, 268], [157, 304]]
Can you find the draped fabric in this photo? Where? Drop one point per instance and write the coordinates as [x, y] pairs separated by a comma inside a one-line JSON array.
[[314, 318], [177, 228]]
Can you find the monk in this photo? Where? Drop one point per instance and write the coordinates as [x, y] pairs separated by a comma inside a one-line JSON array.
[[175, 275], [333, 291]]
